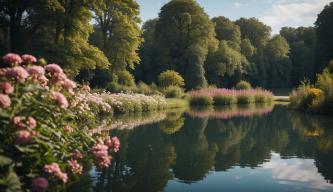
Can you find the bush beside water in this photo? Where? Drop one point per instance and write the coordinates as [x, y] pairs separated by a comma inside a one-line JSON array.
[[44, 114], [201, 100], [217, 96]]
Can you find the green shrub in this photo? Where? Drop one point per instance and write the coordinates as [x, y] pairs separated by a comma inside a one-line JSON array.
[[261, 98], [125, 78], [170, 78], [144, 89], [245, 99], [173, 92], [201, 100], [243, 85], [224, 100], [325, 83]]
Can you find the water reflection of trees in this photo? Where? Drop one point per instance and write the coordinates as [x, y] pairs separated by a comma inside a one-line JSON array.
[[151, 155]]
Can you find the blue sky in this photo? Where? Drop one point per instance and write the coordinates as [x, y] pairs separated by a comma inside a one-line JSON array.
[[275, 13]]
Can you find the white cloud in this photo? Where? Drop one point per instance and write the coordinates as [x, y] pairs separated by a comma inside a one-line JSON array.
[[295, 13], [295, 170], [238, 4]]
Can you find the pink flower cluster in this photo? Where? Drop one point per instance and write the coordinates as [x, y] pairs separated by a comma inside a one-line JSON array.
[[232, 92], [24, 122], [60, 99], [12, 58], [68, 85], [59, 76], [101, 155], [113, 143], [55, 71], [54, 169], [16, 59], [39, 184], [23, 135], [75, 166], [5, 101], [18, 73], [29, 58], [6, 88]]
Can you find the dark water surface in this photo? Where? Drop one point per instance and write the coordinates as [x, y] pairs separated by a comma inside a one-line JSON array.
[[228, 149]]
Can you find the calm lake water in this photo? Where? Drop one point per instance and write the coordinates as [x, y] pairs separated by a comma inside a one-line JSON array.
[[257, 148]]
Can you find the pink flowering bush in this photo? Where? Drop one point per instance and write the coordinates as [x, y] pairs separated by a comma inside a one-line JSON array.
[[45, 122], [223, 96]]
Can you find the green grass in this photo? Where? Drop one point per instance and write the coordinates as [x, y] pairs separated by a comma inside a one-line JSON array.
[[282, 99], [173, 103]]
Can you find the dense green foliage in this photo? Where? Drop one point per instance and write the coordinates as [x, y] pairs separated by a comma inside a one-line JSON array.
[[101, 40], [118, 34], [324, 28], [184, 35], [302, 42], [62, 32], [316, 98], [170, 78], [246, 50], [201, 100], [243, 85]]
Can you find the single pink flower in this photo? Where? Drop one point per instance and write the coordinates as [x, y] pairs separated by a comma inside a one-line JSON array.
[[60, 99], [12, 58], [75, 166], [18, 73], [23, 136], [7, 88], [5, 101], [39, 184], [29, 58]]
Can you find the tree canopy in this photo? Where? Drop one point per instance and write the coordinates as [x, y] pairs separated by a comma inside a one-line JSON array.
[[185, 34]]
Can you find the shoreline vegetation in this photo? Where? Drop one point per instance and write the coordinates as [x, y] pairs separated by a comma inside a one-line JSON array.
[[215, 96], [315, 98]]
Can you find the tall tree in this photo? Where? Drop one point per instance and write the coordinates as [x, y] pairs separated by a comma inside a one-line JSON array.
[[55, 29], [302, 43], [324, 28], [147, 70], [118, 26], [254, 30], [223, 63], [185, 34], [226, 30], [278, 62]]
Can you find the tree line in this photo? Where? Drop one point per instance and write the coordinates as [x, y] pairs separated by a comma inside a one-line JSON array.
[[101, 41]]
